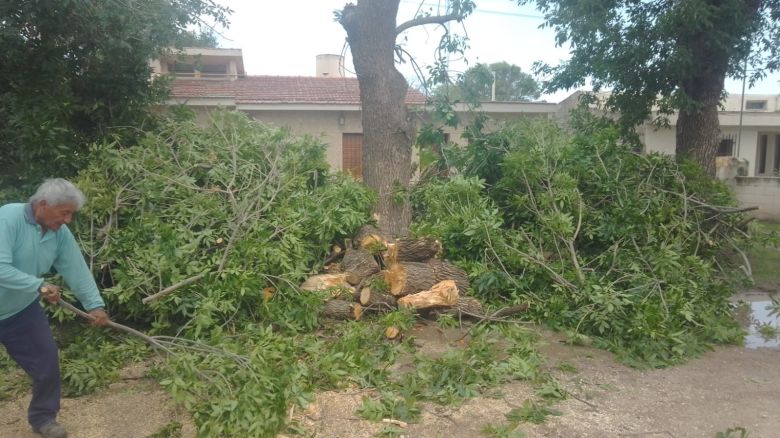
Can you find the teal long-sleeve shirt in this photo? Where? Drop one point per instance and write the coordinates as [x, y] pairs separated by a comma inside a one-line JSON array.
[[26, 256]]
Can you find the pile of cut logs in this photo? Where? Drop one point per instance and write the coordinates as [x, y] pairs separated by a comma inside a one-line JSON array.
[[378, 276]]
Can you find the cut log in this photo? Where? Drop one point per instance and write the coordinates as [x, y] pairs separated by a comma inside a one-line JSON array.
[[358, 264], [377, 301], [373, 243], [409, 277], [324, 281], [443, 294], [340, 309], [392, 332], [413, 250], [443, 270], [466, 307]]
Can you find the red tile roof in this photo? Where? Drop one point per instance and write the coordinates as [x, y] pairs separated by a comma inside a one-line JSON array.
[[279, 89]]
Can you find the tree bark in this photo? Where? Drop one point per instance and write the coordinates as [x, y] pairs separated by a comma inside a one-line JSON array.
[[340, 309], [358, 264], [413, 250], [388, 132], [409, 277], [698, 127], [443, 270]]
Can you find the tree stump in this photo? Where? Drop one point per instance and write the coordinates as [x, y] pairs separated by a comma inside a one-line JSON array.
[[442, 294], [358, 264]]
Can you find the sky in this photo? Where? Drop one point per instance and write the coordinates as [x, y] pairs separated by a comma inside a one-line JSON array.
[[283, 37]]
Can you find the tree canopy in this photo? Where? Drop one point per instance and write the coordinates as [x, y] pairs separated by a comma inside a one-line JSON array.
[[73, 72], [476, 84], [673, 56]]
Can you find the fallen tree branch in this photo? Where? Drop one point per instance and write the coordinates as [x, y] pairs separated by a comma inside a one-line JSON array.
[[172, 288]]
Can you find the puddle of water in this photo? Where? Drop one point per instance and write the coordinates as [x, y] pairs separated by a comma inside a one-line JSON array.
[[760, 316]]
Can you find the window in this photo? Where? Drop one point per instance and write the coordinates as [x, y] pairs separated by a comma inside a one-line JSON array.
[[726, 146], [755, 105]]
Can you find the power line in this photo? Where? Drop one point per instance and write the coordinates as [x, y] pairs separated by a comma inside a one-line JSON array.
[[479, 10]]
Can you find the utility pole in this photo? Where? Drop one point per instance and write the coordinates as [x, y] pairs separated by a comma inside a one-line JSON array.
[[493, 91], [742, 107]]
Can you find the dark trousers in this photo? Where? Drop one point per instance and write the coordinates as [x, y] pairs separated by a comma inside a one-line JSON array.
[[28, 340]]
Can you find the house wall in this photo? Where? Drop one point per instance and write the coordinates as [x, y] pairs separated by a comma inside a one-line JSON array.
[[762, 192], [321, 124], [660, 140]]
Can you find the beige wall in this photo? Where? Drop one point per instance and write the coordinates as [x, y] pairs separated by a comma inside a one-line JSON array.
[[659, 140], [321, 124], [762, 192]]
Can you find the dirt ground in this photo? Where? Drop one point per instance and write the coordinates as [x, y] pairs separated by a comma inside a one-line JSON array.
[[725, 388]]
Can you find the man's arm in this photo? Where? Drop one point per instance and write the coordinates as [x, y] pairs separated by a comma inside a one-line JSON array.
[[71, 265], [10, 277]]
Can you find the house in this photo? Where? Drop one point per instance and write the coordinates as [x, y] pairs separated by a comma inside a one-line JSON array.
[[749, 151], [327, 105]]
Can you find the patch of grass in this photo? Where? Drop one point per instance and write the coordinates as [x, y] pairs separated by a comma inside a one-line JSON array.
[[733, 432], [767, 330], [503, 431], [170, 430], [531, 412], [567, 367], [13, 381], [764, 257]]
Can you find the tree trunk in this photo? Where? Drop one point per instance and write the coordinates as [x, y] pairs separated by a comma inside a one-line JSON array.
[[698, 127], [698, 131], [387, 130]]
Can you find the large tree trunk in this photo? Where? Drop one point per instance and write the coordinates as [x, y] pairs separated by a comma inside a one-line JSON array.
[[387, 130], [698, 128]]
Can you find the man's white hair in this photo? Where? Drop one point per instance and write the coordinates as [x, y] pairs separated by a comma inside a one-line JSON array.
[[58, 191]]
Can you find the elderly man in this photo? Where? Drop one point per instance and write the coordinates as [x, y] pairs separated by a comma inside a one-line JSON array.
[[34, 237]]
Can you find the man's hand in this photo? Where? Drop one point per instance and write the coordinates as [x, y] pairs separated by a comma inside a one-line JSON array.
[[51, 293], [99, 317]]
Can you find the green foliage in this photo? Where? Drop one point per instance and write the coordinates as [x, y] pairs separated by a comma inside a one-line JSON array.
[[613, 246], [531, 412], [226, 398], [733, 432], [170, 430], [91, 360], [76, 72], [649, 54], [243, 206], [476, 84], [13, 381], [503, 431]]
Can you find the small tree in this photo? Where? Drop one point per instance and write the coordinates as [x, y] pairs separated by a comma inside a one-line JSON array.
[[388, 131], [673, 56], [512, 84]]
